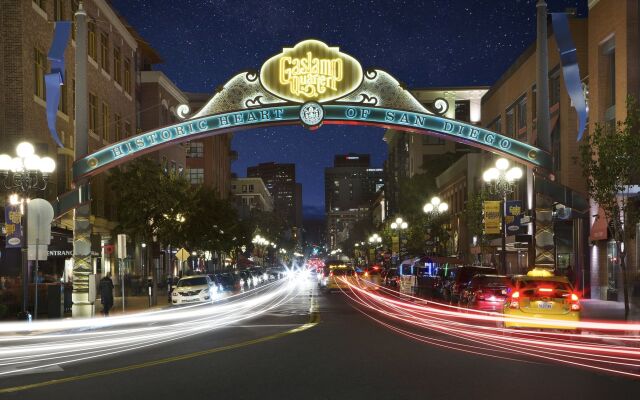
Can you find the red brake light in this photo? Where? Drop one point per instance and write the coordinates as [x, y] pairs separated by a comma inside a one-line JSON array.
[[514, 300], [575, 302], [545, 289]]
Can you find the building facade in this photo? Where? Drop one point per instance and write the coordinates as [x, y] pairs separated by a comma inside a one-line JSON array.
[[280, 180], [351, 186], [209, 159], [113, 96], [251, 194]]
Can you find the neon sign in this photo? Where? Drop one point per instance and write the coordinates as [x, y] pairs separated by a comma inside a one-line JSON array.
[[311, 71]]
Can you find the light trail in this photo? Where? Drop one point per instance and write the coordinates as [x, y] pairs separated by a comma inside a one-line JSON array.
[[615, 349], [31, 346]]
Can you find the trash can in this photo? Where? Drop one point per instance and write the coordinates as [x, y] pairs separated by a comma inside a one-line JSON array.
[[55, 301]]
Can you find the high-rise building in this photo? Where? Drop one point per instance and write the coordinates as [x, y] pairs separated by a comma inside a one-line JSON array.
[[350, 187], [280, 179], [209, 159]]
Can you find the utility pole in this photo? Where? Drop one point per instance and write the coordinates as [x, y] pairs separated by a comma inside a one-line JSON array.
[[82, 266]]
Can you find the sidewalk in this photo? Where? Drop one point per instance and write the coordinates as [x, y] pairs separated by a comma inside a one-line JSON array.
[[608, 310], [133, 304]]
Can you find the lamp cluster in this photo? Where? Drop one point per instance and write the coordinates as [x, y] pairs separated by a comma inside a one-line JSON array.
[[399, 224], [260, 241], [27, 171], [435, 206], [375, 238], [501, 178]]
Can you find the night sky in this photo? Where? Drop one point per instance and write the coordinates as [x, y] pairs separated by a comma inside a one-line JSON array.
[[421, 43]]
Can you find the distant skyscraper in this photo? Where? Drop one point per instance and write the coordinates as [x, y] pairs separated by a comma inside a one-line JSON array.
[[350, 187], [280, 180]]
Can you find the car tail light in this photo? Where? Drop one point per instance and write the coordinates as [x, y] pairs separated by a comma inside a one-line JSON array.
[[331, 273], [575, 302], [515, 300], [544, 289], [366, 273]]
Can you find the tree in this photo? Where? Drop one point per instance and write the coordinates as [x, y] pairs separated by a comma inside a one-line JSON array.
[[609, 161], [149, 202], [473, 216]]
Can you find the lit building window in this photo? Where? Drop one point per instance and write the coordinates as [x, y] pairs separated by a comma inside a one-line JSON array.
[[117, 70], [105, 121], [91, 43], [93, 112]]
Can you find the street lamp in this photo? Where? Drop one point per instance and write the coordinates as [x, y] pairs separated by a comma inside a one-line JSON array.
[[399, 225], [501, 181], [26, 173], [434, 208]]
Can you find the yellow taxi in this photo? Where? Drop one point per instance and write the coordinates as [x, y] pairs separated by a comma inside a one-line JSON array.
[[339, 277], [538, 299]]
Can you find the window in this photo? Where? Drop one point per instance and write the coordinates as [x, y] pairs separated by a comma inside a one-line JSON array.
[[250, 188], [195, 175], [39, 67], [496, 125], [195, 150], [244, 188], [57, 10], [91, 42], [608, 66], [74, 8], [511, 123], [117, 69], [104, 52], [534, 104], [39, 3], [127, 75], [127, 129], [117, 127], [521, 116], [93, 112], [63, 106], [105, 121]]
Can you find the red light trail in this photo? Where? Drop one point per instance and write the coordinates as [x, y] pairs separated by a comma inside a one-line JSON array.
[[610, 347]]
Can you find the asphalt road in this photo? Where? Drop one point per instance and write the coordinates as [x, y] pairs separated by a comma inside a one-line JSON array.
[[335, 353]]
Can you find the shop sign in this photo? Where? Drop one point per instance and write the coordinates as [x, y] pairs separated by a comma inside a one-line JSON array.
[[13, 226]]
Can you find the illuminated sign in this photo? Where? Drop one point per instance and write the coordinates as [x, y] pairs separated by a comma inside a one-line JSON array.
[[311, 71], [294, 114]]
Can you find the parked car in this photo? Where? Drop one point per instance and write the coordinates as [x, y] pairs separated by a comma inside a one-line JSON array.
[[486, 292], [459, 280], [193, 289], [229, 282]]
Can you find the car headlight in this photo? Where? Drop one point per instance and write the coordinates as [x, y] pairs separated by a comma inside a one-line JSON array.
[[174, 293]]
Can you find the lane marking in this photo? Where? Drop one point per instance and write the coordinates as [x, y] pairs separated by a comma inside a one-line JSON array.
[[314, 319]]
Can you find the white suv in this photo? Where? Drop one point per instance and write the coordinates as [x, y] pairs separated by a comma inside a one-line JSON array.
[[193, 289]]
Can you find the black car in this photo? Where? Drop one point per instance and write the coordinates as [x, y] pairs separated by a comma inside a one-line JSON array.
[[228, 281], [391, 278], [460, 278]]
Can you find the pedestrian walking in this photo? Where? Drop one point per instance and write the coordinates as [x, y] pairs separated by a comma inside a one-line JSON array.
[[106, 294]]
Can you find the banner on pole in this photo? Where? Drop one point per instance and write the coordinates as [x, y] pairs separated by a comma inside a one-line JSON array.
[[13, 226], [491, 212], [513, 217]]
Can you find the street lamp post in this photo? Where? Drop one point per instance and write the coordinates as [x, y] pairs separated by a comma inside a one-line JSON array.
[[399, 225], [25, 174], [435, 207], [375, 240], [501, 181]]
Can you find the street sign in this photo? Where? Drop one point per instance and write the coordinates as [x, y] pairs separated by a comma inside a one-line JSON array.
[[182, 255], [122, 246]]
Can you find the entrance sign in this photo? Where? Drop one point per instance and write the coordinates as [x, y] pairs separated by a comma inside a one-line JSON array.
[[310, 84], [311, 70]]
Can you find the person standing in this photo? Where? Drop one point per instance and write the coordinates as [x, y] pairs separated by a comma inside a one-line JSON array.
[[106, 294]]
